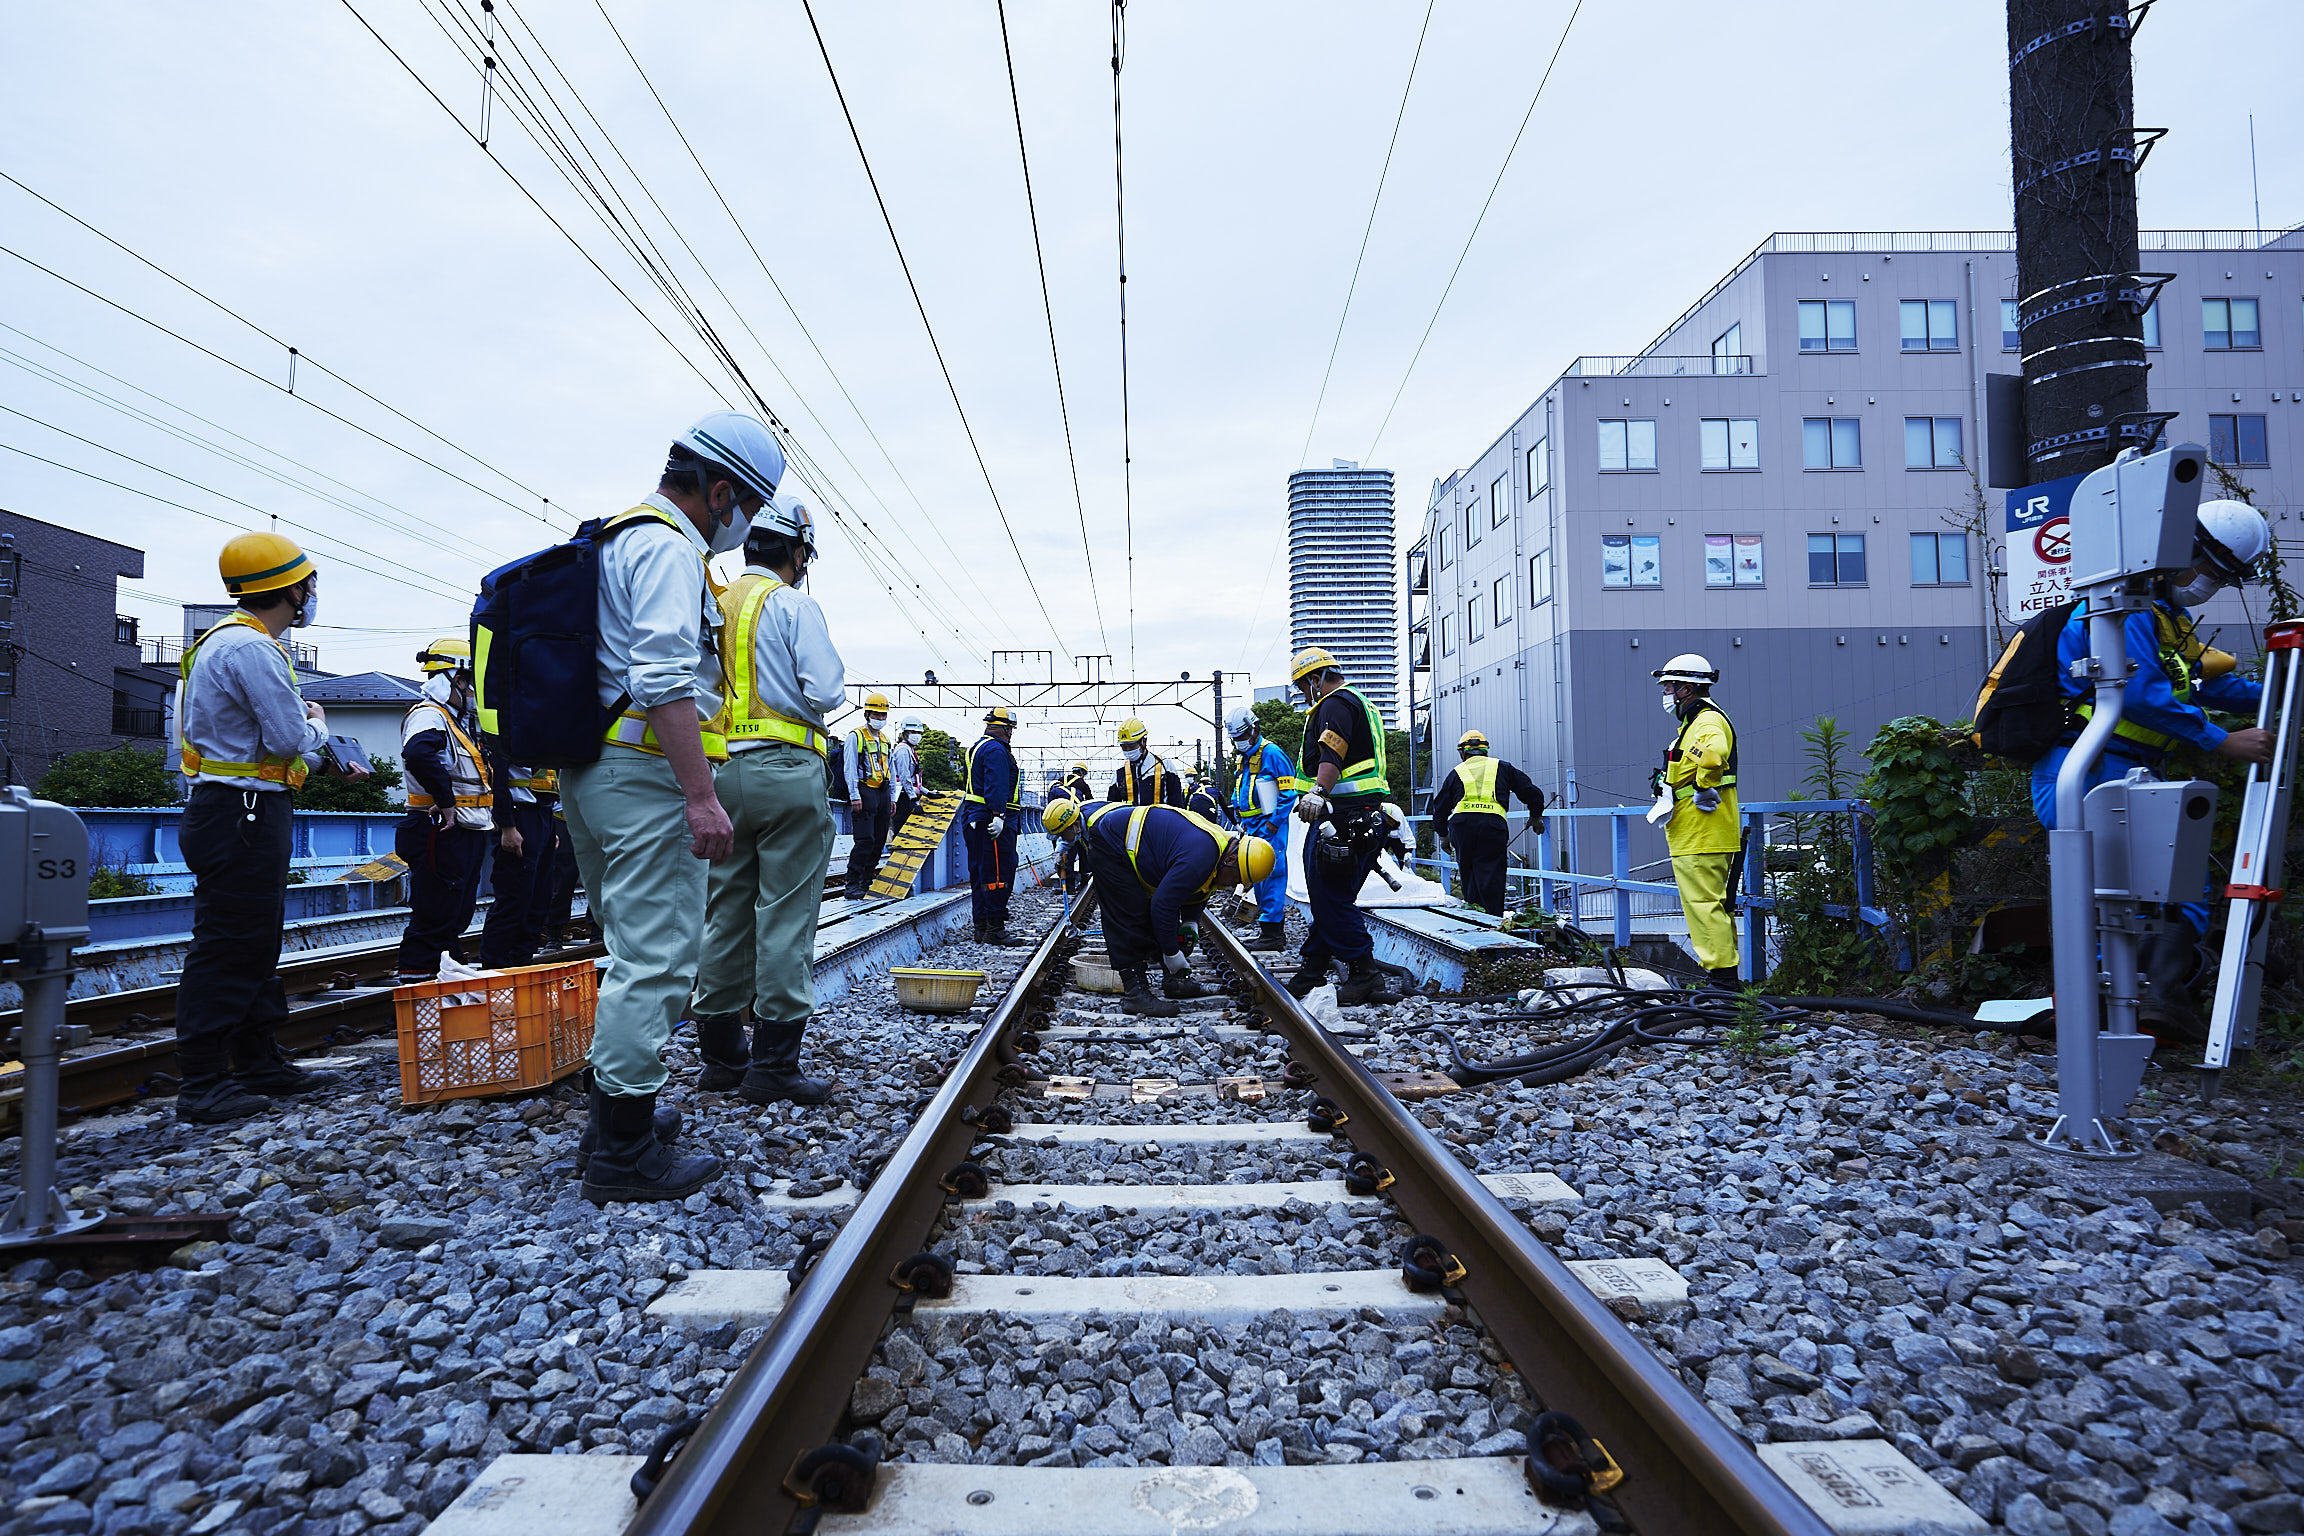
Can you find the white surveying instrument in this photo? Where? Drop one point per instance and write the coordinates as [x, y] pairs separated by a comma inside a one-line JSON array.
[[43, 917], [2126, 851]]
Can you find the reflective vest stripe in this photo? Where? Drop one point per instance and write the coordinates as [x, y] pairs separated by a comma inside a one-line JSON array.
[[631, 729], [1365, 777], [1155, 774], [1728, 774], [1136, 833], [290, 771], [1262, 766], [745, 718], [1015, 790], [869, 751], [545, 781], [484, 799], [2177, 651], [1478, 776]]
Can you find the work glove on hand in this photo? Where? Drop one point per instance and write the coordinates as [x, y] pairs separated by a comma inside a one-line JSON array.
[[994, 827], [1707, 800], [1175, 964], [1310, 808], [1444, 848]]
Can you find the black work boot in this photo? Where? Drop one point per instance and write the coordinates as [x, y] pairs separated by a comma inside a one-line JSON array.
[[998, 934], [207, 1093], [774, 1076], [1136, 997], [628, 1162], [1367, 983], [1726, 979], [2164, 1003], [1180, 986], [720, 1040], [282, 1078], [1307, 979], [1271, 938], [666, 1126]]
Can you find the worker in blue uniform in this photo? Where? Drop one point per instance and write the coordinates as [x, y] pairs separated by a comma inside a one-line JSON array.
[[1144, 777], [1073, 786], [1468, 818], [989, 804], [2175, 679], [1155, 867], [1202, 801], [1263, 802]]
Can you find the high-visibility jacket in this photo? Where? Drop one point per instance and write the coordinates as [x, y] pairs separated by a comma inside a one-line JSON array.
[[2190, 669], [1148, 786], [473, 802], [983, 775], [1362, 777], [1267, 762], [290, 771], [745, 718], [867, 759], [631, 728], [1479, 778], [1703, 756], [1135, 839]]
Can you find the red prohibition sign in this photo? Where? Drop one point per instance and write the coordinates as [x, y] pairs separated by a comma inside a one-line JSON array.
[[2053, 542]]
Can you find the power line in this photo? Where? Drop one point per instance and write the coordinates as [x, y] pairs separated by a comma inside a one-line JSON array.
[[1526, 117], [294, 352], [954, 389], [1120, 212], [1048, 308]]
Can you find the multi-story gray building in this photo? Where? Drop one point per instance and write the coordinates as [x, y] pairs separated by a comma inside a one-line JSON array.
[[1342, 575], [1781, 482]]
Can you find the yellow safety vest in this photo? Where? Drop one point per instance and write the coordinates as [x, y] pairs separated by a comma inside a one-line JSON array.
[[1136, 833], [542, 781], [1155, 772], [746, 718], [868, 750], [290, 771], [2186, 659], [1365, 777], [468, 779], [1478, 776], [631, 728], [1015, 791]]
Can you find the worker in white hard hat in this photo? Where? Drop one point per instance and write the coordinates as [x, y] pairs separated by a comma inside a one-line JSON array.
[[2175, 680], [1264, 803], [861, 775], [1697, 804], [905, 772], [451, 808]]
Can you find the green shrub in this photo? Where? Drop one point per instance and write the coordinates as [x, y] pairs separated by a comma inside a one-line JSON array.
[[321, 793], [120, 776]]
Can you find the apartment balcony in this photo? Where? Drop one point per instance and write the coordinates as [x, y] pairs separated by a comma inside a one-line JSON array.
[[1651, 366]]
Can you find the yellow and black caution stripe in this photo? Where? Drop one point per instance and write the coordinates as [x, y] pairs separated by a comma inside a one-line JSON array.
[[909, 849]]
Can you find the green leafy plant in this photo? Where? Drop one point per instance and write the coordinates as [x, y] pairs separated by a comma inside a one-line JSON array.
[[937, 752], [1752, 1036], [113, 777], [107, 882], [1819, 952], [374, 793]]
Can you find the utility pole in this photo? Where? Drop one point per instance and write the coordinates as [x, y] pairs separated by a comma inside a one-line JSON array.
[[2075, 151]]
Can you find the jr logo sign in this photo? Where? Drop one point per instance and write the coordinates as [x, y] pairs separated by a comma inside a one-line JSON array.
[[2040, 546]]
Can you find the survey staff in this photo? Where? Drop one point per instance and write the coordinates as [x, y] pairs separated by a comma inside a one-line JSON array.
[[444, 837]]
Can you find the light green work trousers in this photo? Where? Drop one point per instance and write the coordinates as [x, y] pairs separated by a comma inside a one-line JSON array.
[[628, 821], [760, 925]]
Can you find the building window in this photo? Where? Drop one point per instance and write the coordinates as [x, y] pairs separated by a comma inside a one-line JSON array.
[[1474, 523], [1628, 444], [1472, 629], [1932, 442], [2229, 325], [1836, 560], [1440, 546], [2011, 326], [1827, 325], [2152, 326], [1500, 600], [1929, 325], [1539, 468], [2237, 440], [1832, 442], [1500, 499], [1540, 577], [1730, 442], [1733, 560], [1939, 559], [1447, 635], [1728, 350], [1631, 560], [124, 630]]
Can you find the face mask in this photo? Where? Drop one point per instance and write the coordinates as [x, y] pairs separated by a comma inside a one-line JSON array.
[[730, 535], [1671, 705], [2198, 590], [1133, 754], [875, 722], [912, 738], [309, 614]]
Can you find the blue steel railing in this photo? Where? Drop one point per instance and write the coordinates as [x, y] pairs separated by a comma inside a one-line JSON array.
[[1557, 888], [144, 841]]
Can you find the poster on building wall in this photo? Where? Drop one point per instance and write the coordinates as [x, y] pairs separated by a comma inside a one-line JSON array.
[[1615, 560], [2039, 528], [1733, 560]]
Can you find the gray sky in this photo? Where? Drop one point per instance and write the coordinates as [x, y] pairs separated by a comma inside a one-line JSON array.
[[276, 157]]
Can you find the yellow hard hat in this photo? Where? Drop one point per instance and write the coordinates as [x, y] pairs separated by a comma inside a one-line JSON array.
[[1472, 741], [1131, 731], [1000, 714], [1309, 660], [1256, 859], [261, 562], [446, 654], [1060, 816], [1081, 769], [876, 703]]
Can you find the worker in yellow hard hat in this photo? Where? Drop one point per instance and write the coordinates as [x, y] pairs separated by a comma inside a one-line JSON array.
[[1072, 786], [451, 809], [244, 732], [862, 777], [1144, 778], [1468, 817], [1341, 787], [992, 795]]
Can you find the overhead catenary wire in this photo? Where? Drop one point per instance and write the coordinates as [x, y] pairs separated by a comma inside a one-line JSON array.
[[1048, 309], [1474, 233], [1120, 215], [1023, 565]]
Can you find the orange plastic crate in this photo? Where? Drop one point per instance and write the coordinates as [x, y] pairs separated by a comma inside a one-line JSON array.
[[502, 1032]]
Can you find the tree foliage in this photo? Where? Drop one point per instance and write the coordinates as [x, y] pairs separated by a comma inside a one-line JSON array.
[[322, 793], [116, 777], [938, 754]]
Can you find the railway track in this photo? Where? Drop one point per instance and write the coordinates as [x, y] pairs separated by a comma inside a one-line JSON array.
[[781, 1450]]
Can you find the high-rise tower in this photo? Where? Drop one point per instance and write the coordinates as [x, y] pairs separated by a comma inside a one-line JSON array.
[[1343, 575]]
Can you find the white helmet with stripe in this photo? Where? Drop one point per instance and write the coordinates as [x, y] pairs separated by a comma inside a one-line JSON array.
[[1687, 667], [741, 445]]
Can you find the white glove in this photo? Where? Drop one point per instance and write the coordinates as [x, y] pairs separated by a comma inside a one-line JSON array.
[[1175, 964], [1310, 807], [1707, 800], [994, 827]]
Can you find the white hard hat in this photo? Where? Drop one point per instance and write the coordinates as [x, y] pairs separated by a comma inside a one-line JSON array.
[[741, 445], [790, 520], [2232, 536], [1240, 725], [1687, 667], [914, 723]]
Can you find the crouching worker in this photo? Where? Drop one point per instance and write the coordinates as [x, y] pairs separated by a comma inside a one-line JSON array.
[[1155, 867]]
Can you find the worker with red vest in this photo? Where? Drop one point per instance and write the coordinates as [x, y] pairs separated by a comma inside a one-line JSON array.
[[444, 837], [243, 733]]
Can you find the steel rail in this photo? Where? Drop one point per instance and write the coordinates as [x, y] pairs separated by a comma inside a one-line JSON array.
[[1686, 1473], [788, 1398]]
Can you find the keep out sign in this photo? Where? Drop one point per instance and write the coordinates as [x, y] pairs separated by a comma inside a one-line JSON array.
[[2040, 546]]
